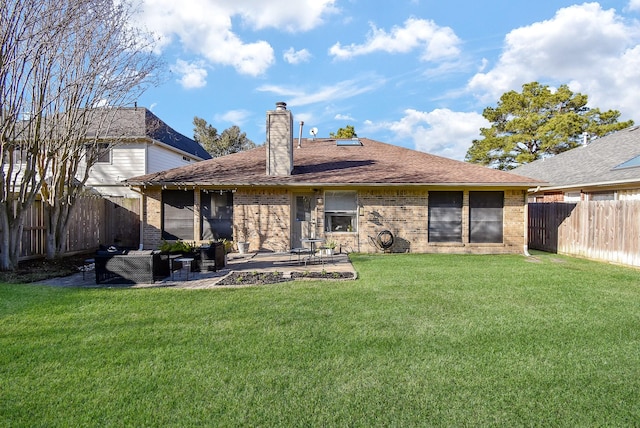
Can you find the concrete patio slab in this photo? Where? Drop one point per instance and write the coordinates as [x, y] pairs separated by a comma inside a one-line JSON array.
[[259, 262]]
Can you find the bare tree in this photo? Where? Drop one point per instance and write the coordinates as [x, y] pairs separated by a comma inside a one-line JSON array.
[[72, 64]]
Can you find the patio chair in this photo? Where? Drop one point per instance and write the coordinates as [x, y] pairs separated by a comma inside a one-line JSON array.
[[298, 252], [212, 257]]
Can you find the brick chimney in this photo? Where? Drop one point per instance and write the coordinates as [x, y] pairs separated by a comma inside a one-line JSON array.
[[279, 141]]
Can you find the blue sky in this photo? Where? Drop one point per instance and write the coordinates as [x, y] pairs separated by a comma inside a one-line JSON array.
[[415, 73]]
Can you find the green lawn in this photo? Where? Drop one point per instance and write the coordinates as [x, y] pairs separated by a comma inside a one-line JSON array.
[[418, 340]]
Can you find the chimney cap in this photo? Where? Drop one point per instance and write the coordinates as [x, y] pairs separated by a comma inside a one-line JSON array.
[[281, 105]]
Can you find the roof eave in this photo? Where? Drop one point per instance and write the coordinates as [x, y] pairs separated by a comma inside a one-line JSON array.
[[539, 189], [160, 183]]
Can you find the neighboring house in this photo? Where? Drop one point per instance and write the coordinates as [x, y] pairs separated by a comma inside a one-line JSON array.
[[137, 142], [607, 168], [345, 191]]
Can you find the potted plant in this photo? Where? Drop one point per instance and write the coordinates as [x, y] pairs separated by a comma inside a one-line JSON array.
[[243, 243], [328, 248], [177, 247]]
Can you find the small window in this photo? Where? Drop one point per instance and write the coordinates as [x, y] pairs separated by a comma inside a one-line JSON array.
[[572, 197], [340, 211], [602, 196], [103, 152]]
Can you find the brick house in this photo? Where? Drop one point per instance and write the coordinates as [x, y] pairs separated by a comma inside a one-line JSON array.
[[345, 191]]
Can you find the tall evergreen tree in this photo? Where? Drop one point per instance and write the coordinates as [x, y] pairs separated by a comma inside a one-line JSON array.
[[538, 122], [232, 140]]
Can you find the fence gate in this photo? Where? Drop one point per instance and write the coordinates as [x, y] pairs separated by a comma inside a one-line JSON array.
[[599, 230]]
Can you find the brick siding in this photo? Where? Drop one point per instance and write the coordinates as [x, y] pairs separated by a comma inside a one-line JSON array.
[[263, 218]]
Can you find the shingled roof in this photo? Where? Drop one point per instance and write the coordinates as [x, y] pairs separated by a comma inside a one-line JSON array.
[[599, 162], [140, 123], [323, 162]]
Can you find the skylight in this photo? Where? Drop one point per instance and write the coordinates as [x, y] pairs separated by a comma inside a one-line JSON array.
[[631, 163], [349, 142]]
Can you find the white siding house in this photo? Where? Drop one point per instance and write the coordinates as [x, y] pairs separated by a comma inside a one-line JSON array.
[[143, 144]]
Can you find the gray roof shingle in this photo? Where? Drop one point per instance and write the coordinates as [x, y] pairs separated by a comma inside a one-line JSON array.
[[139, 122], [322, 162], [591, 164]]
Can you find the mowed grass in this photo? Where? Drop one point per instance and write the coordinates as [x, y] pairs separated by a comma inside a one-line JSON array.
[[417, 340]]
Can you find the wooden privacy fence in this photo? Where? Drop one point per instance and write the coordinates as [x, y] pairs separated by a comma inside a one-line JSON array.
[[95, 221], [600, 230]]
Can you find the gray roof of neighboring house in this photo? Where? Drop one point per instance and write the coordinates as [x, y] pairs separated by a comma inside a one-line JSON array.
[[599, 162], [323, 162], [139, 122]]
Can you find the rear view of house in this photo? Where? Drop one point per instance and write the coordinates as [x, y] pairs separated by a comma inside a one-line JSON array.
[[345, 191]]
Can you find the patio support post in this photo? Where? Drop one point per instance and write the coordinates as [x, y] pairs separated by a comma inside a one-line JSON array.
[[143, 219], [197, 224]]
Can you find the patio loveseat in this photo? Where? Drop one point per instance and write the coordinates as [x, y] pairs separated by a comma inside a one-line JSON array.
[[130, 267]]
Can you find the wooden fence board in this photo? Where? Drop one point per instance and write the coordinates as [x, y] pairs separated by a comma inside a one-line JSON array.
[[601, 230], [95, 221]]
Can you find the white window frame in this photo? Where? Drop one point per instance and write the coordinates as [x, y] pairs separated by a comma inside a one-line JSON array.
[[104, 153], [337, 207]]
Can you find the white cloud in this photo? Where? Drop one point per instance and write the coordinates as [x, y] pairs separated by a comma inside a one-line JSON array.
[[338, 91], [344, 117], [205, 28], [237, 117], [634, 5], [293, 16], [440, 132], [296, 57], [436, 42], [192, 75], [593, 50]]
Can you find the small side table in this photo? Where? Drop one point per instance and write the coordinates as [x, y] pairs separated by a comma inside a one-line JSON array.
[[172, 258], [186, 263]]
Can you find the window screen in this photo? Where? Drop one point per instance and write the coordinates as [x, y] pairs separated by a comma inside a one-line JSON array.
[[445, 216], [177, 214], [485, 216], [216, 214], [340, 211]]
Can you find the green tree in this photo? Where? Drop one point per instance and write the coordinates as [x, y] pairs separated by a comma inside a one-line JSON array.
[[346, 132], [232, 140], [537, 122], [205, 134]]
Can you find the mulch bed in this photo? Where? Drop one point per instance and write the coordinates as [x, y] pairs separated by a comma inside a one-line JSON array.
[[41, 269], [253, 278], [260, 278], [321, 275]]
